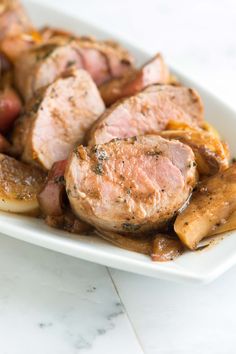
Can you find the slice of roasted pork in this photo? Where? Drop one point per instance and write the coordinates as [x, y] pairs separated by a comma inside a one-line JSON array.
[[185, 97], [155, 71], [103, 59], [119, 61], [131, 185], [118, 58], [42, 64], [148, 112], [57, 118]]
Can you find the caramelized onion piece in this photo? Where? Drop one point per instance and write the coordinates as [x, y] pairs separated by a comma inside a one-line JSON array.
[[19, 185], [225, 225], [165, 249], [211, 204]]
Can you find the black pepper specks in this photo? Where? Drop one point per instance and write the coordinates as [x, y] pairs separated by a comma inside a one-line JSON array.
[[130, 227], [100, 153], [70, 63], [153, 153], [36, 105], [98, 169]]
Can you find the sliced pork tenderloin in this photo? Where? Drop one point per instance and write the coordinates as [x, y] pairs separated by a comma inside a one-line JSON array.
[[148, 112], [155, 71], [57, 118], [131, 185], [42, 64]]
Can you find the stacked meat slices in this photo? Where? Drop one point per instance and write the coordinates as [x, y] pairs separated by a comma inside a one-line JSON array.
[[125, 171]]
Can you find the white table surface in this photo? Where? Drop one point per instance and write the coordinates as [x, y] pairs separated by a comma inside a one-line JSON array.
[[55, 304]]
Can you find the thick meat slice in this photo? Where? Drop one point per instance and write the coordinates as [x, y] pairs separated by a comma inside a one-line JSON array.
[[104, 59], [119, 61], [57, 118], [148, 112], [154, 71], [187, 98], [41, 65], [117, 57], [13, 18], [130, 185]]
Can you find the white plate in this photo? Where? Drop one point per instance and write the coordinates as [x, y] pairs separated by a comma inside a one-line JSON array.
[[201, 266]]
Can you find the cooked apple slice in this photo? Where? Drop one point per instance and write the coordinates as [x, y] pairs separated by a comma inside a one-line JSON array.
[[210, 153], [225, 226], [210, 206], [19, 185]]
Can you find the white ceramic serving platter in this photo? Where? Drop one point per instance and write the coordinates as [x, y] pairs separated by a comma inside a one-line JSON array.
[[201, 266]]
